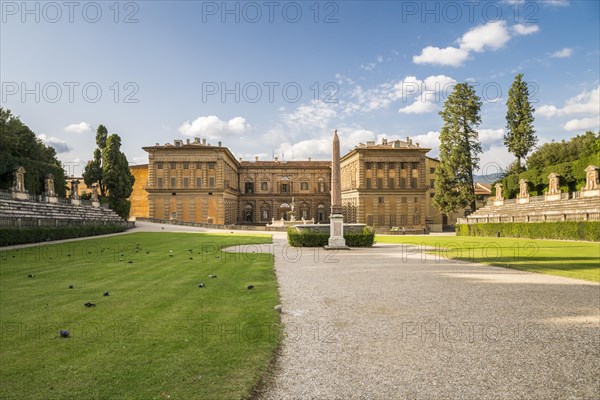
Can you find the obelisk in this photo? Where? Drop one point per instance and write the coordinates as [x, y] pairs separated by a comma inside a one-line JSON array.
[[336, 219]]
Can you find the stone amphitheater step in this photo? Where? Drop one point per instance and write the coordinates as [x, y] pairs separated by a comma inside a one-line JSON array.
[[580, 205], [27, 209]]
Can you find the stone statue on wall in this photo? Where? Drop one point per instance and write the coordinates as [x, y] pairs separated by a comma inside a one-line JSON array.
[[591, 177], [553, 183], [95, 192], [19, 180], [49, 186], [499, 192], [75, 189], [523, 188]]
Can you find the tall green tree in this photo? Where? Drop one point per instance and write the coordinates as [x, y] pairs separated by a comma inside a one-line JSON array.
[[92, 172], [459, 150], [520, 136], [116, 176]]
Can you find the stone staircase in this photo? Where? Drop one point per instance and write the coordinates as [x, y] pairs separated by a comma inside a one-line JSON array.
[[538, 210], [31, 213]]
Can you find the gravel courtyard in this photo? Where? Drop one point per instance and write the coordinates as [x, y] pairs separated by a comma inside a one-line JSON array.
[[390, 323]]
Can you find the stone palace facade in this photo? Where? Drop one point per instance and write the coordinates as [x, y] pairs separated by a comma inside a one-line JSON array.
[[388, 184]]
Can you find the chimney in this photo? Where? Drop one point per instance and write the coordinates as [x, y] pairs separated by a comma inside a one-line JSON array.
[[204, 142], [240, 159], [407, 140], [158, 144], [417, 144], [196, 140], [219, 144], [383, 141], [187, 141], [309, 159], [276, 158], [255, 158]]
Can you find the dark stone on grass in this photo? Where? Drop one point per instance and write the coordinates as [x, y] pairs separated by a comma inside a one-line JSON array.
[[147, 252], [89, 304], [250, 287], [201, 285], [212, 276], [71, 286], [105, 294], [130, 262], [191, 258], [64, 333], [31, 276]]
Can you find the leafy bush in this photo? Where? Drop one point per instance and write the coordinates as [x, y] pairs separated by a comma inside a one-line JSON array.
[[366, 238], [567, 230], [12, 236]]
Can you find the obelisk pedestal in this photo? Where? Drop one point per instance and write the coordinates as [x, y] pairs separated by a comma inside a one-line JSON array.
[[336, 219]]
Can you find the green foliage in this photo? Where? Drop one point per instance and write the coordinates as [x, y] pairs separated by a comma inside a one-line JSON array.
[[116, 176], [567, 230], [366, 238], [520, 136], [459, 150], [565, 151], [19, 146], [12, 236]]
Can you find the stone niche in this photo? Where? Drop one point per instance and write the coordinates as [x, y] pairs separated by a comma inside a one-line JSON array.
[[554, 192], [18, 190], [49, 193], [592, 186]]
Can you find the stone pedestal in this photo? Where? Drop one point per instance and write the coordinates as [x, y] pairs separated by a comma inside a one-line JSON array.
[[19, 195], [523, 200], [95, 204], [499, 202], [553, 197], [75, 202], [336, 233], [51, 199], [590, 193]]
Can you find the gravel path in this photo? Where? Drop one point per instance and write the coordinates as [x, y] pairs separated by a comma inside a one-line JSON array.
[[380, 324]]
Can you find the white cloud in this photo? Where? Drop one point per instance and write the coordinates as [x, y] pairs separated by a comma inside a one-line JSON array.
[[430, 140], [419, 107], [582, 124], [212, 127], [448, 56], [522, 29], [490, 137], [493, 35], [59, 145], [583, 103], [564, 53], [78, 128], [490, 36], [559, 3], [313, 115]]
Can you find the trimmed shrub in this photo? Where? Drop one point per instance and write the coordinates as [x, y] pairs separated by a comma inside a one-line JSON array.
[[12, 236], [366, 238], [567, 230]]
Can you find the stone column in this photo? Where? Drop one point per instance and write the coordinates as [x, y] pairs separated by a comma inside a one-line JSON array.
[[336, 219]]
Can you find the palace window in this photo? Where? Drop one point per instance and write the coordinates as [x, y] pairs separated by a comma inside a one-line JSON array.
[[173, 165], [159, 183], [416, 199], [369, 165], [403, 200], [403, 219], [370, 220], [415, 165], [432, 170], [285, 188], [368, 183], [382, 220], [392, 220], [380, 165], [381, 200], [264, 186], [391, 183], [417, 219], [379, 183], [402, 183], [211, 182], [186, 165], [198, 165], [211, 165], [186, 183], [159, 165], [249, 187], [391, 165], [321, 185], [173, 182], [413, 183], [303, 185], [432, 183], [198, 182]]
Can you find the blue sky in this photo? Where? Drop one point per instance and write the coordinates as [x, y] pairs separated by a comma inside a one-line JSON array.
[[277, 77]]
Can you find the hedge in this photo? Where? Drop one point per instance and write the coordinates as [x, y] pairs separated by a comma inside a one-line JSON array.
[[12, 236], [567, 230], [315, 239]]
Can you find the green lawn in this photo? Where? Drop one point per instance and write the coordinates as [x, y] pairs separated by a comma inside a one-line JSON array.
[[580, 260], [157, 335]]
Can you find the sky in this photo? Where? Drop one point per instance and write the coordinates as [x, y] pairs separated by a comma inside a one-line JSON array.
[[273, 78]]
